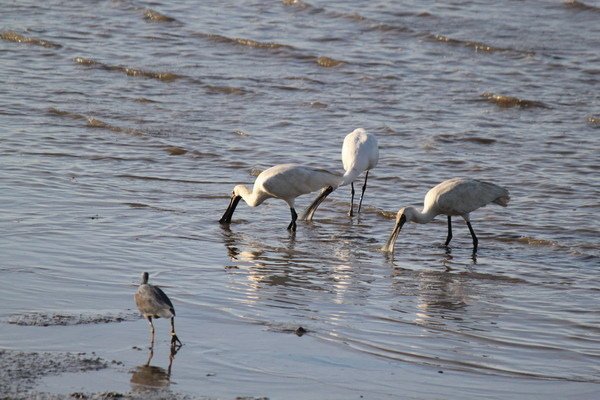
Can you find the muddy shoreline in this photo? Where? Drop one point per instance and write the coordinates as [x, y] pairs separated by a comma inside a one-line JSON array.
[[20, 372]]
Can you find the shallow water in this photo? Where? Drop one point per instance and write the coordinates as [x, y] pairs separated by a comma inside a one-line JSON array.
[[125, 125]]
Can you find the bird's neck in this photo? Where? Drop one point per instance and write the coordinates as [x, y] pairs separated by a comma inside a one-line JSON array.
[[349, 176], [252, 198], [420, 217]]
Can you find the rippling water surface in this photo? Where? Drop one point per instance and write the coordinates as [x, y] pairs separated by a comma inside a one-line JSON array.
[[126, 124]]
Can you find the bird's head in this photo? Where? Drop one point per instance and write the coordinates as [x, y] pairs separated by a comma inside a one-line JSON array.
[[236, 190], [144, 278]]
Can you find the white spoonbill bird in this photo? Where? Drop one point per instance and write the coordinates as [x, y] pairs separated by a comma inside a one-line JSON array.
[[154, 303], [360, 152], [285, 182], [457, 196]]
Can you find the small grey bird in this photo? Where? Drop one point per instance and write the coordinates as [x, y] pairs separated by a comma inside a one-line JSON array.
[[154, 303]]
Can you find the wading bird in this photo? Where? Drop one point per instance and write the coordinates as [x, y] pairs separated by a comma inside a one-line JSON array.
[[154, 303], [360, 153], [285, 182], [455, 196]]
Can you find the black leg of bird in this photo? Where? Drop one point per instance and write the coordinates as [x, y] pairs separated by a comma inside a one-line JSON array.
[[350, 213], [475, 240], [363, 191], [292, 225], [449, 238], [174, 338]]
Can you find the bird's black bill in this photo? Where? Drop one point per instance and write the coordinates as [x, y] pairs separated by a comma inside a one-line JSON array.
[[310, 211], [226, 218], [389, 246]]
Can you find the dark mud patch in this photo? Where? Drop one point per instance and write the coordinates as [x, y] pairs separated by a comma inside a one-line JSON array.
[[244, 42], [92, 122], [144, 100], [129, 71], [511, 101], [20, 370], [154, 16], [226, 90], [451, 138], [475, 45], [22, 373], [285, 328], [580, 6], [593, 120], [11, 36], [327, 62], [176, 151], [59, 319]]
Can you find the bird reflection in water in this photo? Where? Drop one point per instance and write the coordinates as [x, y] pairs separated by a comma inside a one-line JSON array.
[[448, 259], [439, 295], [150, 376], [233, 240], [268, 265], [288, 272]]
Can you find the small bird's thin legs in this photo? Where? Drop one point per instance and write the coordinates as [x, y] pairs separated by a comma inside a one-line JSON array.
[[174, 338], [351, 213], [449, 238], [292, 225], [151, 333], [363, 191], [475, 240], [150, 355]]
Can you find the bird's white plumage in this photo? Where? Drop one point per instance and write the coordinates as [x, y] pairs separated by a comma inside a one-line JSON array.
[[460, 196], [360, 153], [286, 182], [457, 196]]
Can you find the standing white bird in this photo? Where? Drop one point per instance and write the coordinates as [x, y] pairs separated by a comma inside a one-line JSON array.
[[360, 152], [154, 303], [457, 196], [285, 182]]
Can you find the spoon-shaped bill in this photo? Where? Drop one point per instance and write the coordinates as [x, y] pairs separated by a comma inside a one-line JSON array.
[[389, 245], [226, 218], [310, 211]]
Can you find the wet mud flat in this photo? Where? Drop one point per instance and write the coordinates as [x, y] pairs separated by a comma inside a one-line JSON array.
[[226, 360], [22, 372]]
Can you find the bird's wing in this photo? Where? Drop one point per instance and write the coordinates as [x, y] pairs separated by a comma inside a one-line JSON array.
[[360, 152], [152, 300], [300, 180], [462, 196], [163, 298]]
